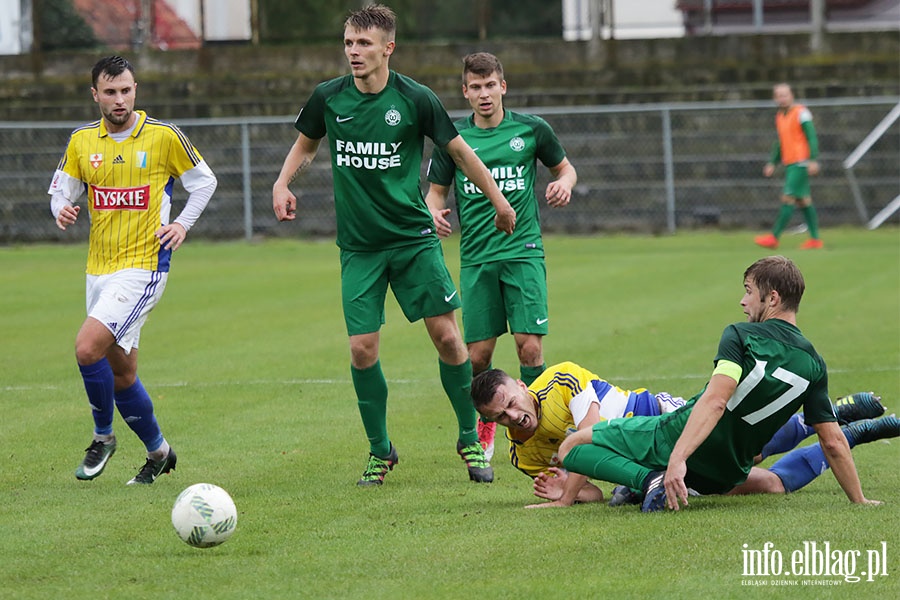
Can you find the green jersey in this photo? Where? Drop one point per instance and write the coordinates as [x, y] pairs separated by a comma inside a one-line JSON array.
[[780, 372], [376, 143], [510, 152]]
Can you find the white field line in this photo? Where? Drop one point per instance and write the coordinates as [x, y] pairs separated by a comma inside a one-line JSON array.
[[301, 381]]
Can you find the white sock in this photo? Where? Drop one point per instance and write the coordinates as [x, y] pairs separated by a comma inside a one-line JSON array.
[[161, 452]]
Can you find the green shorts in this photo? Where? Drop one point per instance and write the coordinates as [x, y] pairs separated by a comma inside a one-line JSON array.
[[796, 181], [501, 292], [633, 447], [417, 274]]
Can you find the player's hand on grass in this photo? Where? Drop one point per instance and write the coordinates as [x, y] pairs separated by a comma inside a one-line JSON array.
[[67, 216], [676, 490], [871, 502], [558, 194], [813, 167], [284, 203], [769, 170], [549, 486], [171, 235], [505, 220], [554, 504], [441, 225]]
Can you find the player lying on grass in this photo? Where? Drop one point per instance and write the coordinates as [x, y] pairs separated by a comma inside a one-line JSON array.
[[765, 371], [567, 397]]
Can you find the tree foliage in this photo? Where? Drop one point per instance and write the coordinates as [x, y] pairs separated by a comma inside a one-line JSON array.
[[61, 27], [321, 20]]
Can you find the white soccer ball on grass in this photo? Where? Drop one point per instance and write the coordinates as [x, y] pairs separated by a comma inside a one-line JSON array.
[[204, 515]]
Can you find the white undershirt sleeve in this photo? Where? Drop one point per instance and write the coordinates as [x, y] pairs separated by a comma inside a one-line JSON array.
[[580, 404], [64, 191], [200, 183]]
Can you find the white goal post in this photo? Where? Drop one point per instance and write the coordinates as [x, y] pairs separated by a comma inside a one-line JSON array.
[[855, 157]]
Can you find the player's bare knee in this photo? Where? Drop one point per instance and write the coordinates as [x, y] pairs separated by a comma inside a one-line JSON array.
[[530, 349], [481, 358], [87, 351]]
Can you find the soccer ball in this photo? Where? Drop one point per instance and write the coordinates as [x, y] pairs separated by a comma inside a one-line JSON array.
[[204, 515]]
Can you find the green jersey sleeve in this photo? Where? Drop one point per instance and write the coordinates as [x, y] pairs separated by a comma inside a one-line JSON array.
[[810, 130], [549, 151], [311, 120], [442, 168]]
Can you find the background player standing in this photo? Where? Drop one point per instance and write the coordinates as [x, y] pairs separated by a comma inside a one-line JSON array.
[[376, 121], [127, 162], [503, 279], [797, 148]]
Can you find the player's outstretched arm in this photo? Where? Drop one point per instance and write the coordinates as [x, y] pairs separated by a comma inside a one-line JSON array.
[[301, 154], [837, 451], [706, 413], [550, 486]]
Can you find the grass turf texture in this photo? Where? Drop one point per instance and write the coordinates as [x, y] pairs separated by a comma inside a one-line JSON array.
[[247, 363]]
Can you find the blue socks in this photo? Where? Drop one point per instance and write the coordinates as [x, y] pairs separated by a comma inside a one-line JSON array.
[[788, 437], [99, 384], [800, 467], [136, 408]]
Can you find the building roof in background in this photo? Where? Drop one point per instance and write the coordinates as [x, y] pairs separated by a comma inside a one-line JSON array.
[[116, 24]]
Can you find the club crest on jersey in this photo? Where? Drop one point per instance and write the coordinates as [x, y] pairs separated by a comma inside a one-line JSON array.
[[96, 160], [517, 144], [142, 160], [392, 117], [136, 198]]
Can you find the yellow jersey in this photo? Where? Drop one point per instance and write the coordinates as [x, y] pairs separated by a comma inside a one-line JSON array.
[[129, 189], [554, 392]]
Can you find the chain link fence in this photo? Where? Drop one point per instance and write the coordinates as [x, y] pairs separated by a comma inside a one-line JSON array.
[[650, 168]]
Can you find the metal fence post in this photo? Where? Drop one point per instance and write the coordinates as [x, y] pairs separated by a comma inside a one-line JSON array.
[[669, 168], [246, 174]]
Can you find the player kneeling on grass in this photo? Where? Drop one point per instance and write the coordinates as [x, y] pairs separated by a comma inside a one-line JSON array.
[[765, 371], [567, 398]]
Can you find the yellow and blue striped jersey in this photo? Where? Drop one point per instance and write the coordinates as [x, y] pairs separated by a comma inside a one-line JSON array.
[[129, 189], [554, 391]]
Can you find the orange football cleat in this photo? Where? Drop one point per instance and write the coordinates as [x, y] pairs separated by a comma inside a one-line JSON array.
[[811, 244], [766, 241]]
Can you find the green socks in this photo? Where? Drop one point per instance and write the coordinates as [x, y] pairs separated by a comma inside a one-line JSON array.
[[529, 374], [812, 221], [371, 395], [784, 217], [457, 382]]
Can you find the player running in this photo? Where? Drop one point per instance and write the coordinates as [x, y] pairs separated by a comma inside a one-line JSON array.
[[127, 164]]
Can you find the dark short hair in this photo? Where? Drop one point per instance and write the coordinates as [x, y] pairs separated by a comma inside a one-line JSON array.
[[482, 64], [781, 275], [485, 385], [376, 16], [111, 67]]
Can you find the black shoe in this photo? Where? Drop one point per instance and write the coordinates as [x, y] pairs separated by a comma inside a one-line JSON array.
[[378, 467], [480, 470], [95, 458], [654, 492], [622, 495], [861, 405], [869, 430], [154, 468]]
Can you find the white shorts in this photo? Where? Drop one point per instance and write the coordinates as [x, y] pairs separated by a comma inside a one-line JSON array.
[[123, 300]]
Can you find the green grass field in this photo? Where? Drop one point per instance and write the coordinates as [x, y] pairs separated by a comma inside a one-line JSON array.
[[247, 362]]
